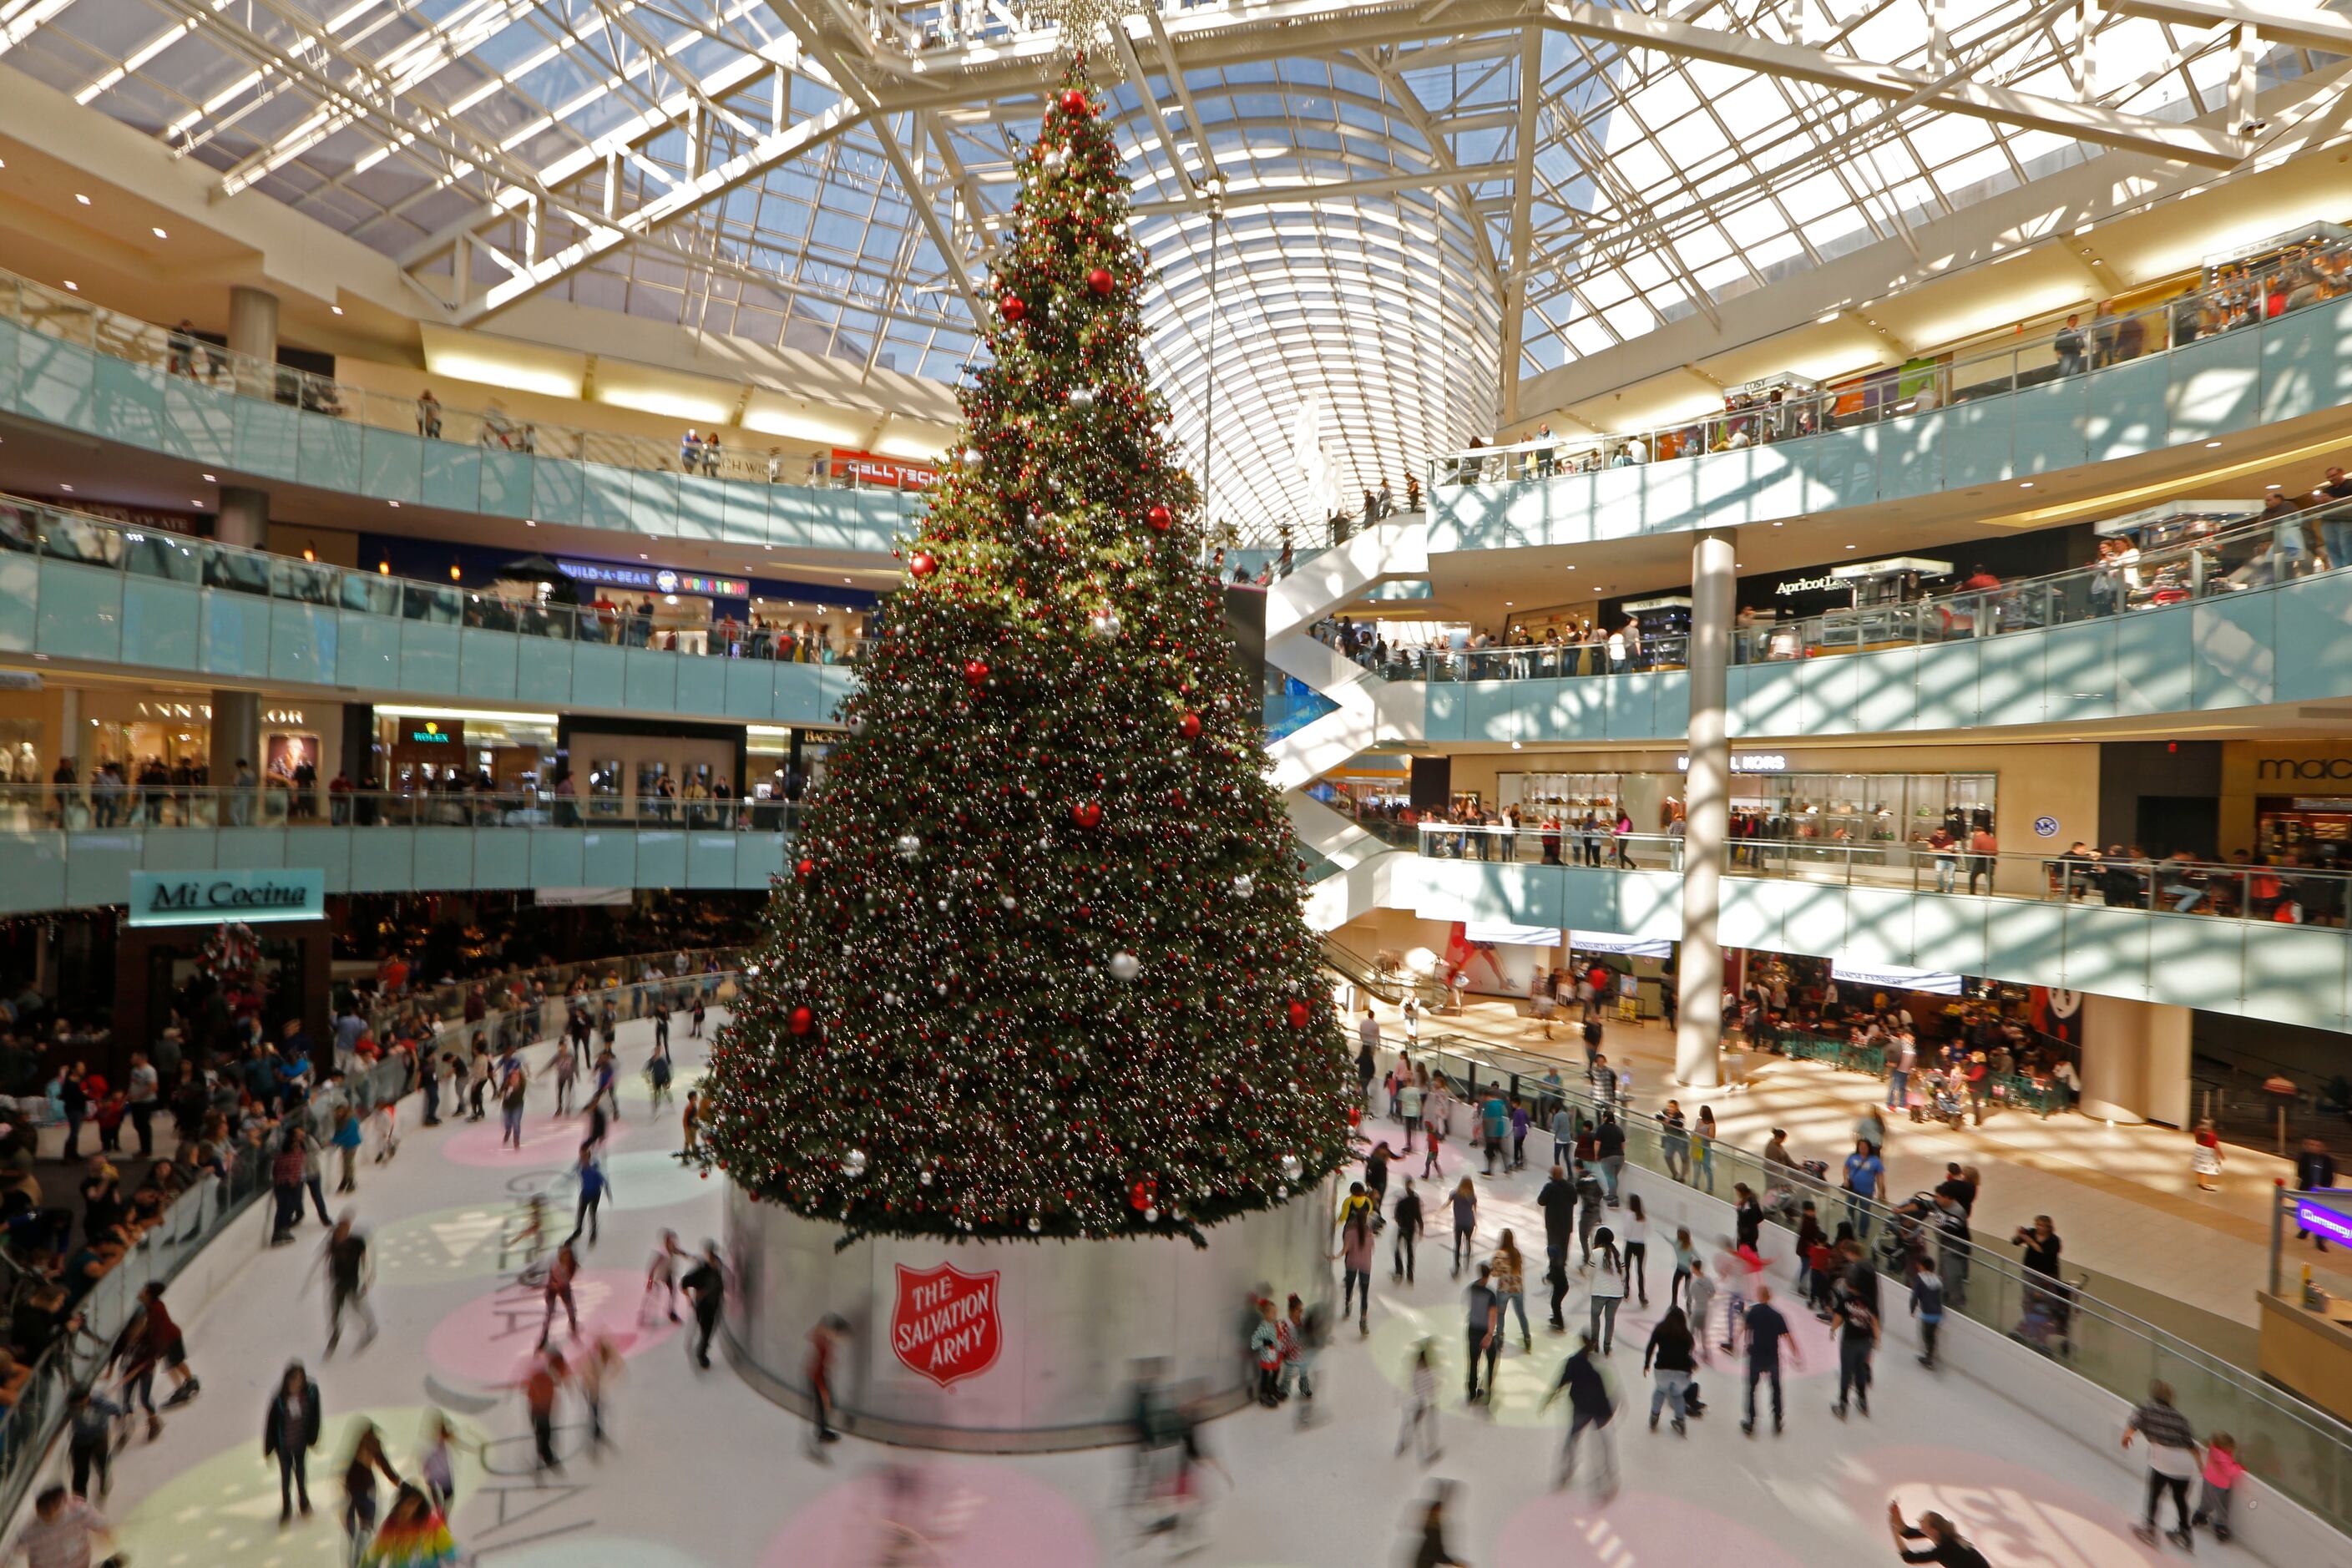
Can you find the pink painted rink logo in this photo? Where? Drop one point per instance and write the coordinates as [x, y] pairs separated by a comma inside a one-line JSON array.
[[945, 1325]]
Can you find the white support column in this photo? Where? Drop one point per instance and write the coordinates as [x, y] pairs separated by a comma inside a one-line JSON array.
[[245, 521], [1707, 812]]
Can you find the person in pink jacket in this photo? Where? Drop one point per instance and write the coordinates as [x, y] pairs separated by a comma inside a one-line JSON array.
[[2221, 1473]]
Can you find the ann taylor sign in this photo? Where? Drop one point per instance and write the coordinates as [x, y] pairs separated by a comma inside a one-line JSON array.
[[208, 898]]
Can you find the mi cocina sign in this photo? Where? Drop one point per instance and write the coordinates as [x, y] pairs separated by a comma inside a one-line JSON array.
[[946, 1325], [207, 898]]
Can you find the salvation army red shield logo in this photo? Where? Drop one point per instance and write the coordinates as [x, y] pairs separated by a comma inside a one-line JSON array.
[[945, 1325]]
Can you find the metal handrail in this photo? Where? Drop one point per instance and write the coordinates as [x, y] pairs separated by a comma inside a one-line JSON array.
[[2187, 318], [85, 806], [80, 539], [2193, 886], [2157, 579], [2261, 1449], [184, 355]]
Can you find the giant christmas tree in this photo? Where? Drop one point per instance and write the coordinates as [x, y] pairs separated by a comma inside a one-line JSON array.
[[1038, 969]]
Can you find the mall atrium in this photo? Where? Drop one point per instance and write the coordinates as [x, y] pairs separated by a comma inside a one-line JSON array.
[[1036, 690]]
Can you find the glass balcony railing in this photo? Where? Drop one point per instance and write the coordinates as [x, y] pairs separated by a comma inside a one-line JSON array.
[[2073, 1318], [55, 535], [115, 805], [2286, 894], [2262, 552], [181, 354], [2238, 303]]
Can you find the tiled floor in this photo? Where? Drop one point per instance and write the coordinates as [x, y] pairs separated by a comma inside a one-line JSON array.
[[2123, 1198], [706, 1474]]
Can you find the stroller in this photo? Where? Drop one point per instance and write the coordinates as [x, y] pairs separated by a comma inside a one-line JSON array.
[[2048, 1323], [1944, 1101]]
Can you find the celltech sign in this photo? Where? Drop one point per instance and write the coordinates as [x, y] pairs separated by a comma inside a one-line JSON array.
[[208, 898]]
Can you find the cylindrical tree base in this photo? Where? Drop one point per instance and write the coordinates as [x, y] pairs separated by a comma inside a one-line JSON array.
[[1011, 1346]]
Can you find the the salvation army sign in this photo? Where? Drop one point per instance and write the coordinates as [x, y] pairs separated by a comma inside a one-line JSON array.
[[946, 1326]]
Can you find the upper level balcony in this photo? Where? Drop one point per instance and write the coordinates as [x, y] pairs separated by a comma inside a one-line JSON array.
[[2234, 621], [2205, 365], [2263, 941], [79, 589], [69, 363]]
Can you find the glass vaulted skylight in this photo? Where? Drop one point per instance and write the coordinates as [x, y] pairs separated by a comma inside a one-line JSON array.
[[1349, 232]]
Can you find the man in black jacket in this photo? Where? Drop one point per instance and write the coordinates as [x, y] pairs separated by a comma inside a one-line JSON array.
[[1408, 1231], [1557, 1201]]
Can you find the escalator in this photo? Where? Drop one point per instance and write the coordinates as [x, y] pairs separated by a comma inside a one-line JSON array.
[[1390, 986]]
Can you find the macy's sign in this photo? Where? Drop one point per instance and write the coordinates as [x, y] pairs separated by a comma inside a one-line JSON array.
[[2304, 768]]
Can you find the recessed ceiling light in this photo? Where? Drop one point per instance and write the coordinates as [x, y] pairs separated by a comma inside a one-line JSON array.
[[2025, 484], [194, 501], [845, 579], [1571, 568], [1850, 547], [72, 286], [530, 522], [159, 233], [336, 308], [1776, 525], [2096, 262], [1825, 318], [210, 480], [396, 506], [2209, 445], [67, 488], [82, 199], [642, 556], [2273, 487]]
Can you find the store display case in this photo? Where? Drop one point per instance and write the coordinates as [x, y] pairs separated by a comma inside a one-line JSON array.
[[1665, 631], [1885, 596]]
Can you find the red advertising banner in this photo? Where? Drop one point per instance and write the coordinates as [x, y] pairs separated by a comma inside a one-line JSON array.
[[871, 469], [945, 1325]]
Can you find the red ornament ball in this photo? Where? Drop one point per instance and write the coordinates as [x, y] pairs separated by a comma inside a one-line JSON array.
[[924, 564], [1160, 517], [1087, 813], [1299, 1015], [975, 670], [806, 867], [802, 1020], [1191, 726], [1012, 308], [1075, 105], [1100, 280]]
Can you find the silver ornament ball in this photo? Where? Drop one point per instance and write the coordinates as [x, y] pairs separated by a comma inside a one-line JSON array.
[[909, 847], [1106, 625], [1082, 398], [1291, 1167], [1035, 1225], [1245, 885], [1124, 967], [852, 1164]]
